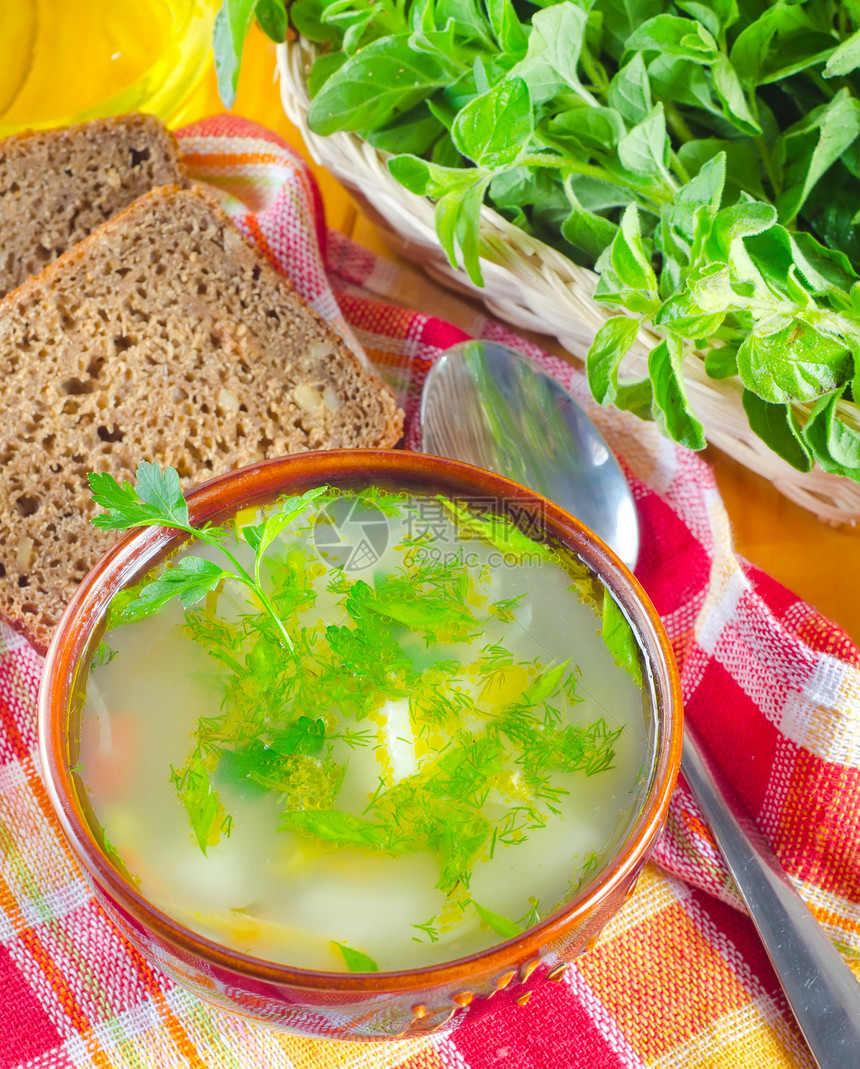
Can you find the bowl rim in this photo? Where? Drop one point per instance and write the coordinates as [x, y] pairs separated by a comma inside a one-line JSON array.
[[137, 550]]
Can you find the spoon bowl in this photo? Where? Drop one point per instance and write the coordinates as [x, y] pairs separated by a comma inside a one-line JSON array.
[[485, 403]]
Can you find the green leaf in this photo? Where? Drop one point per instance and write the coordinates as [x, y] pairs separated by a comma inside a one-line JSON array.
[[190, 579], [470, 21], [636, 396], [703, 193], [323, 68], [621, 18], [683, 82], [670, 406], [825, 270], [710, 288], [162, 491], [845, 59], [630, 261], [502, 925], [261, 536], [797, 363], [731, 93], [781, 41], [594, 129], [305, 735], [619, 288], [629, 91], [738, 221], [588, 231], [495, 128], [419, 614], [542, 79], [544, 685], [355, 960], [272, 17], [157, 499], [831, 209], [777, 426], [843, 442], [645, 149], [509, 31], [682, 316], [558, 36], [203, 806], [743, 164], [517, 187], [306, 17], [611, 344], [414, 131], [807, 150], [495, 531], [721, 362], [382, 80], [231, 27], [124, 507], [675, 36], [822, 430], [716, 16], [620, 639], [428, 179], [458, 223]]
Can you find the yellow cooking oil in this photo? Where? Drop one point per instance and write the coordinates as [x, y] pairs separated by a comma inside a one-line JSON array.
[[66, 61]]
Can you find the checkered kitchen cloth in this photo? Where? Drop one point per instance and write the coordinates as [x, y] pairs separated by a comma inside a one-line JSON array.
[[678, 978]]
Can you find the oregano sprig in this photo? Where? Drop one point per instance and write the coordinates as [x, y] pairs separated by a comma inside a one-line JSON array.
[[704, 159]]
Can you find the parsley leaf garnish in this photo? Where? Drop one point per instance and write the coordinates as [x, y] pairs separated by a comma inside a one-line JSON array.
[[355, 960], [503, 925], [618, 636], [157, 499]]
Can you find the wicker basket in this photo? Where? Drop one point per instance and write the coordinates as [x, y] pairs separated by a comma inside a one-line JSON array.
[[534, 287]]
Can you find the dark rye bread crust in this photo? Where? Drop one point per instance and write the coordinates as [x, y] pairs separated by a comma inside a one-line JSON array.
[[57, 186], [163, 336]]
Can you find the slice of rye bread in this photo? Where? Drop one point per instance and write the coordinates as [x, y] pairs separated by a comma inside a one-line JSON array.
[[57, 186], [163, 336]]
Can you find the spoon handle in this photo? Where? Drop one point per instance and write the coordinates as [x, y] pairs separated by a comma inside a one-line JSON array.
[[821, 990]]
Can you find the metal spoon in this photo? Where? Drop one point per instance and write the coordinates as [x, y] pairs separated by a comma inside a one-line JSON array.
[[486, 404]]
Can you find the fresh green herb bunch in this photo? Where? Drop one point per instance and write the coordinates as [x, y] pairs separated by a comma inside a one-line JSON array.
[[704, 158]]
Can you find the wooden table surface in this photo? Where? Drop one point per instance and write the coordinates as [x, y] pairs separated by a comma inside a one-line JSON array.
[[816, 561]]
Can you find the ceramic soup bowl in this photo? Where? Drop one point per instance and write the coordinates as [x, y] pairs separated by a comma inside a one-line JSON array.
[[332, 1001]]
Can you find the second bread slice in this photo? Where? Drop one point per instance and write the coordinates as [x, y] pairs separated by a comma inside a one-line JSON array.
[[57, 186], [163, 336]]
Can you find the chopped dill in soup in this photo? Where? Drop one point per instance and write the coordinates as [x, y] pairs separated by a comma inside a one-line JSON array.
[[361, 730]]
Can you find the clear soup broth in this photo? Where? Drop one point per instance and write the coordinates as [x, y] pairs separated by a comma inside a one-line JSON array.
[[447, 736]]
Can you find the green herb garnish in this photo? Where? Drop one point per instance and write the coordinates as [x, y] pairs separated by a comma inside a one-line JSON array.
[[503, 925], [103, 655], [429, 929], [355, 960], [205, 810], [157, 499], [618, 636]]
